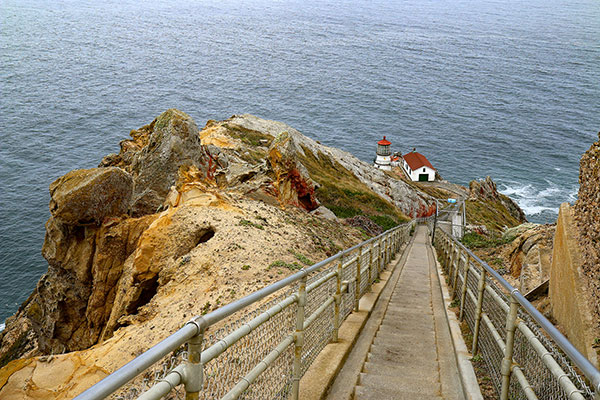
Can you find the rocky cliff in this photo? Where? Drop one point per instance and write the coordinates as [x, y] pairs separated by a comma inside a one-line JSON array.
[[587, 216], [490, 208], [179, 222]]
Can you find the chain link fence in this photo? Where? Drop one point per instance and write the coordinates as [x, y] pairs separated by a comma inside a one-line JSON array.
[[258, 352], [533, 366]]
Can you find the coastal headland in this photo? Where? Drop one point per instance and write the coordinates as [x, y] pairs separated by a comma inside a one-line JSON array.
[[183, 220]]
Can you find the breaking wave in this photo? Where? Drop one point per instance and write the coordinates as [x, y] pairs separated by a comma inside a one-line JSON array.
[[2, 326], [540, 204]]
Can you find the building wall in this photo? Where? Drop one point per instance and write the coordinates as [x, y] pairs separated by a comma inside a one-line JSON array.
[[414, 175]]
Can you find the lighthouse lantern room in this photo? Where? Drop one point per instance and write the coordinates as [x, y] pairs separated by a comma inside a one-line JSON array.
[[383, 159]]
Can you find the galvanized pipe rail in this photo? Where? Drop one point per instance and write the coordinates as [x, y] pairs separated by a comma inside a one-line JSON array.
[[321, 300], [503, 325]]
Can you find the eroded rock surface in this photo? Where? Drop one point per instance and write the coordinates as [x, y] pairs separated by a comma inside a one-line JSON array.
[[587, 215], [88, 196]]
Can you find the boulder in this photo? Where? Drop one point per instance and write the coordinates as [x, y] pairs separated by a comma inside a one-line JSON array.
[[324, 212], [88, 196]]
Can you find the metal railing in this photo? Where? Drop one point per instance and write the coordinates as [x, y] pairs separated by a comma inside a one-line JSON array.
[[525, 355], [263, 353]]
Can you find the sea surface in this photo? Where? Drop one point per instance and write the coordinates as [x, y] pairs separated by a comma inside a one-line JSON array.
[[504, 88]]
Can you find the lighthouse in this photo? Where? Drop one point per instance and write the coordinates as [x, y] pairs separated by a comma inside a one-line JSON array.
[[383, 159]]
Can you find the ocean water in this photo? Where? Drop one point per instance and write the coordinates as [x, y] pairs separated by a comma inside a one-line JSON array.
[[505, 88]]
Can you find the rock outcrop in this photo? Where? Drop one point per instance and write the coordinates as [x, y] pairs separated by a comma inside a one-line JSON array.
[[409, 200], [486, 190], [529, 254], [587, 216], [491, 210], [292, 180], [155, 154], [84, 197]]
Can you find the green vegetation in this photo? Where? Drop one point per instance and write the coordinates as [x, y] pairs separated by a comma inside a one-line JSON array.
[[474, 240], [303, 259], [344, 194], [249, 136], [490, 213], [283, 264], [245, 267], [245, 222]]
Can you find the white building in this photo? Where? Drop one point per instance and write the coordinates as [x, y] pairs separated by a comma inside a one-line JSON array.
[[384, 155], [417, 167]]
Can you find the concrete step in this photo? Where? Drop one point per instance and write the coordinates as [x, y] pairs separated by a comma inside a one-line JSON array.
[[399, 323], [404, 356], [421, 309], [408, 372], [402, 348], [392, 332], [405, 340], [429, 385], [368, 393]]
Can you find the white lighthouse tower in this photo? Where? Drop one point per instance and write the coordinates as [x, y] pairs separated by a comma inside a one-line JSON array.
[[384, 155]]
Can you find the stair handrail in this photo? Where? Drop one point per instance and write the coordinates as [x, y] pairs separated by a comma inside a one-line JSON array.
[[196, 327]]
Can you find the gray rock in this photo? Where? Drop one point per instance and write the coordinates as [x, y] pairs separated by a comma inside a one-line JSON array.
[[88, 196], [324, 212]]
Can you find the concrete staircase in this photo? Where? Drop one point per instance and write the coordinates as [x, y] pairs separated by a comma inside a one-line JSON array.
[[411, 354]]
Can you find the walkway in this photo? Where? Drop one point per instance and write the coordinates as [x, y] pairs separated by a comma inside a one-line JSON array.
[[405, 350]]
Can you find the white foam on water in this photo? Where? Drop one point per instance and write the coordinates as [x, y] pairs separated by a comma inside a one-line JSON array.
[[2, 326], [535, 200]]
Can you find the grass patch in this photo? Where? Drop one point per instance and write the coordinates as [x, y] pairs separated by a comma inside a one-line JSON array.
[[474, 240], [384, 221], [245, 222], [303, 259], [490, 213], [282, 264], [249, 136], [245, 267], [344, 194]]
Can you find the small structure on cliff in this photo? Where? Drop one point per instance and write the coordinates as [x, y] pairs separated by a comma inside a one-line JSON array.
[[383, 159], [418, 167]]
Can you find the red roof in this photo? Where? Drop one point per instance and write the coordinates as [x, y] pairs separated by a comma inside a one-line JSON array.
[[383, 142], [417, 160]]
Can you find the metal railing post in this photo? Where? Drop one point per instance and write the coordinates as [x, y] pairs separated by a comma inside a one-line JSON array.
[[507, 361], [299, 339], [193, 370], [451, 258], [379, 252], [456, 269], [337, 300], [370, 265], [358, 279], [446, 253], [463, 292], [480, 292]]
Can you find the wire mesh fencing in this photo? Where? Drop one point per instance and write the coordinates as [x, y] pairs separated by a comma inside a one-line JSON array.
[[260, 346], [531, 365]]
